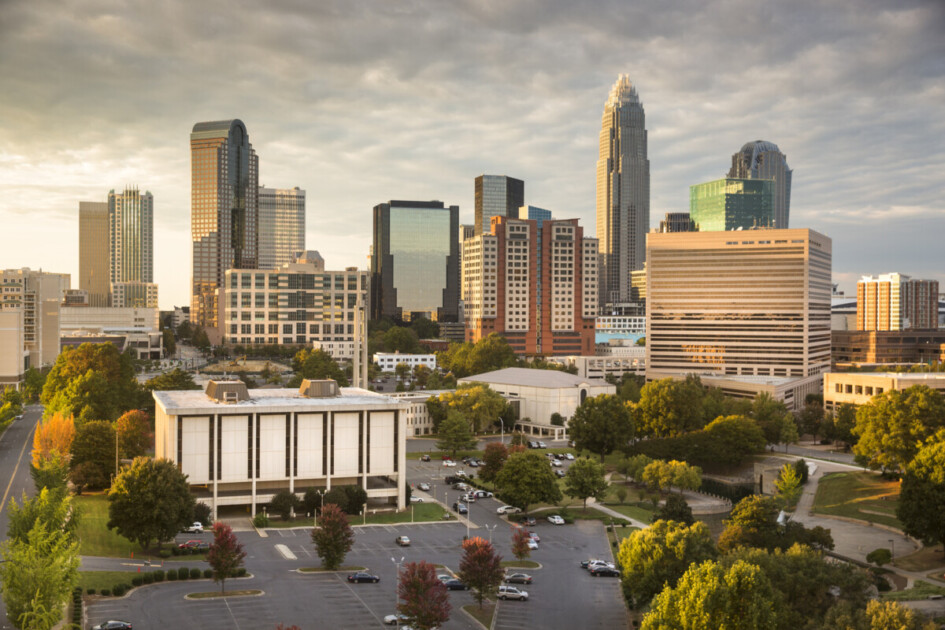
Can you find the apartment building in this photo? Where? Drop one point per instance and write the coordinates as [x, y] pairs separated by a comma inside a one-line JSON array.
[[894, 301]]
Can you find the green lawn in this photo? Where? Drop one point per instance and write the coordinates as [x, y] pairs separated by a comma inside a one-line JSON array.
[[95, 538], [860, 495], [639, 511], [422, 512], [482, 615], [104, 579], [921, 590]]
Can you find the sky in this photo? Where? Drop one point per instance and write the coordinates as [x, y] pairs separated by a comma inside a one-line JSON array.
[[360, 102]]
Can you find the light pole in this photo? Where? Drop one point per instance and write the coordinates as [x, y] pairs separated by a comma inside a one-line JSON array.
[[491, 529], [321, 495], [502, 431], [397, 563]]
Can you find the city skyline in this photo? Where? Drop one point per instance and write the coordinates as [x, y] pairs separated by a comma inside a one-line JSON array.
[[850, 92]]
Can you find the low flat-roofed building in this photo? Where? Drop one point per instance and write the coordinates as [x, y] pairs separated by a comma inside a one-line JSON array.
[[241, 447], [387, 361], [886, 347], [598, 367], [857, 388], [418, 419], [791, 391], [147, 345], [540, 394]]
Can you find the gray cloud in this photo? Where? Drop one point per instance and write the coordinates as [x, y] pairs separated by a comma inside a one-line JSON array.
[[360, 102]]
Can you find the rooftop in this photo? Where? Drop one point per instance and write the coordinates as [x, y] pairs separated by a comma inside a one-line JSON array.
[[551, 379], [271, 400]]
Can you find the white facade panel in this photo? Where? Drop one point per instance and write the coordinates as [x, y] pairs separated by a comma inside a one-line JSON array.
[[346, 444], [382, 442], [310, 445], [272, 446], [233, 448], [195, 451]]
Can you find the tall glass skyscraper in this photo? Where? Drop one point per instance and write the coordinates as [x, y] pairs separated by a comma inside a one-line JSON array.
[[623, 192], [415, 261], [732, 204], [763, 160], [281, 225], [497, 196], [131, 248], [224, 210]]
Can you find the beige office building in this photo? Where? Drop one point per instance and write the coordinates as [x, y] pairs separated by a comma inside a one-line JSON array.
[[745, 303], [93, 251], [857, 388], [281, 225], [893, 301]]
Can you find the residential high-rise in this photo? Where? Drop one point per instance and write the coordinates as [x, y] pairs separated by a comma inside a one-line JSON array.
[[748, 304], [415, 261], [545, 309], [623, 192], [676, 222], [131, 249], [93, 251], [281, 225], [497, 196], [224, 211], [732, 204], [894, 301], [763, 160]]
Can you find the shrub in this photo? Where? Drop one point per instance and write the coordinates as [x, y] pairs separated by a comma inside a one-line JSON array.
[[106, 592], [208, 573], [90, 591], [176, 551], [260, 520], [147, 578], [158, 575], [165, 553], [195, 574], [183, 573], [137, 580], [240, 572], [172, 576]]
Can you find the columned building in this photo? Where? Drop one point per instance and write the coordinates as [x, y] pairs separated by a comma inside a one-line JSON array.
[[497, 196], [281, 225], [764, 160], [623, 193]]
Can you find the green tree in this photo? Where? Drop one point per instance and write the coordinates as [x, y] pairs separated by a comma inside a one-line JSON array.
[[176, 379], [659, 555], [480, 568], [200, 339], [478, 403], [421, 375], [788, 484], [33, 382], [92, 381], [811, 417], [526, 478], [922, 494], [52, 472], [879, 557], [454, 434], [775, 420], [170, 344], [402, 370], [316, 364], [95, 444], [891, 426], [424, 328], [663, 475], [150, 501], [225, 555], [38, 576], [669, 407], [493, 459], [675, 508], [51, 508], [333, 537], [733, 439], [423, 598], [629, 389], [283, 503], [753, 522], [400, 339], [636, 464], [185, 330], [486, 355], [133, 429], [601, 424], [709, 597], [585, 479]]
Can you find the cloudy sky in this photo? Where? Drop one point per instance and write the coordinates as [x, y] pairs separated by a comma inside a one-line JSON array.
[[362, 102]]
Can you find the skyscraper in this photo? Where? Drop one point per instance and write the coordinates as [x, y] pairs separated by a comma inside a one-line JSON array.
[[763, 160], [676, 222], [224, 210], [623, 192], [732, 204], [131, 249], [497, 196], [281, 225], [894, 301], [93, 251], [415, 261]]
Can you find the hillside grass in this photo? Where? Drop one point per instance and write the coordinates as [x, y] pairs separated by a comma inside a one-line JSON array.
[[859, 495]]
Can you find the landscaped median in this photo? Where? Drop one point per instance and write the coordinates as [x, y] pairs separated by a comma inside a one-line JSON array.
[[417, 513], [117, 583]]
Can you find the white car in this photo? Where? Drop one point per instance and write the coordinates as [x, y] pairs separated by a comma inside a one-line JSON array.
[[569, 456], [507, 509], [510, 592], [196, 528], [416, 499], [469, 497], [532, 544], [423, 486], [391, 620], [554, 519], [556, 463], [449, 462]]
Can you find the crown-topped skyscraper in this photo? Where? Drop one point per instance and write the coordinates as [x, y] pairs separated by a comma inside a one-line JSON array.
[[623, 193]]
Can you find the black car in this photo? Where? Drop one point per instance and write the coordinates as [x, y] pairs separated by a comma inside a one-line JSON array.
[[363, 577], [113, 625], [460, 508], [451, 479], [455, 585], [424, 458], [604, 572]]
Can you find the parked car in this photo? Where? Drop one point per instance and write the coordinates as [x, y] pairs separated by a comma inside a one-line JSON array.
[[542, 445], [449, 462], [190, 544], [560, 474], [113, 625], [534, 536], [455, 585], [510, 592], [556, 463], [460, 473], [529, 521], [554, 519], [588, 564], [460, 508], [415, 499], [483, 494], [444, 577], [507, 509], [473, 463], [469, 497], [462, 487], [196, 528], [569, 456], [518, 578], [361, 576], [424, 458], [532, 544], [203, 546], [450, 479], [403, 541], [391, 620], [423, 486], [533, 444], [604, 571]]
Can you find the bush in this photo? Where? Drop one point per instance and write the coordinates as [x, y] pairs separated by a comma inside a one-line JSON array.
[[90, 591], [183, 573], [158, 575], [106, 592], [732, 492], [195, 574], [240, 572], [208, 573], [175, 551], [147, 578], [165, 553], [261, 520], [172, 576], [137, 580]]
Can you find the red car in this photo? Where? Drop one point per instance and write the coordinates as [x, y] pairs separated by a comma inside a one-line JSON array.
[[190, 544]]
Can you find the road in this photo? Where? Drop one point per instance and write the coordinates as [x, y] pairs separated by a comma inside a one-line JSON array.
[[15, 446]]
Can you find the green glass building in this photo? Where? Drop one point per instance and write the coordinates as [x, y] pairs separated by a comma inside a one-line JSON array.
[[731, 204]]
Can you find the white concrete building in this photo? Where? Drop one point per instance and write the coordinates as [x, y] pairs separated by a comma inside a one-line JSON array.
[[542, 393], [95, 319], [387, 361], [339, 350], [418, 419], [598, 367], [241, 447], [857, 388]]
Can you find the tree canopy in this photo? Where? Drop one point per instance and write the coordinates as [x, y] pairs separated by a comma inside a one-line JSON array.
[[133, 429], [493, 459], [454, 434], [922, 495], [585, 479], [486, 355], [333, 537], [95, 447], [753, 522], [226, 554], [669, 407], [526, 478], [480, 567], [91, 382], [316, 364], [478, 403], [891, 426], [601, 424], [424, 599]]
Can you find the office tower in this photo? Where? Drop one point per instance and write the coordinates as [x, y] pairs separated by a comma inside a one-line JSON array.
[[415, 261], [224, 211], [497, 196], [623, 192], [131, 249], [752, 304], [676, 222], [763, 160], [894, 301], [731, 204], [546, 310], [281, 225], [534, 213], [93, 251]]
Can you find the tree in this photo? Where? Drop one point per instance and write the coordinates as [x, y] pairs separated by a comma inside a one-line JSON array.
[[669, 407], [424, 598], [585, 479], [788, 484], [33, 382], [283, 503], [753, 522], [53, 435], [557, 420], [478, 403], [480, 567], [52, 472], [424, 328], [454, 434], [811, 417], [400, 339], [133, 429], [520, 539], [421, 375], [402, 370], [486, 355], [176, 379], [200, 339], [225, 555], [601, 424], [879, 557], [170, 344], [708, 596], [51, 508], [775, 420], [659, 555], [316, 364], [150, 501], [493, 459], [675, 508], [526, 478], [185, 330], [732, 439], [629, 389], [662, 475], [636, 464], [37, 576], [891, 426], [333, 537], [92, 381], [922, 494], [95, 444]]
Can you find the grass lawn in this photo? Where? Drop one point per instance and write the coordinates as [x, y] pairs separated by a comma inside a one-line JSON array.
[[104, 579], [422, 512], [925, 559], [483, 615], [860, 495], [520, 564], [921, 590], [95, 538], [639, 511]]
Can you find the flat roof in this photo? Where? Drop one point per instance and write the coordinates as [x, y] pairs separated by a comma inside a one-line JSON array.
[[528, 377], [194, 401]]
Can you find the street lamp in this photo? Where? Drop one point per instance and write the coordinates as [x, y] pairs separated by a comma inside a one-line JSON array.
[[397, 563], [502, 433], [491, 529], [321, 495]]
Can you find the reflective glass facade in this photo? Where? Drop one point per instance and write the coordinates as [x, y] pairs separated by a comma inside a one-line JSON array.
[[763, 160], [281, 225], [497, 196], [131, 236], [730, 204]]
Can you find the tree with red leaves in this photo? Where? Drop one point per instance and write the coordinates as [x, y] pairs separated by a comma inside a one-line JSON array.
[[520, 540], [225, 555], [425, 601], [493, 459], [333, 537], [480, 568]]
